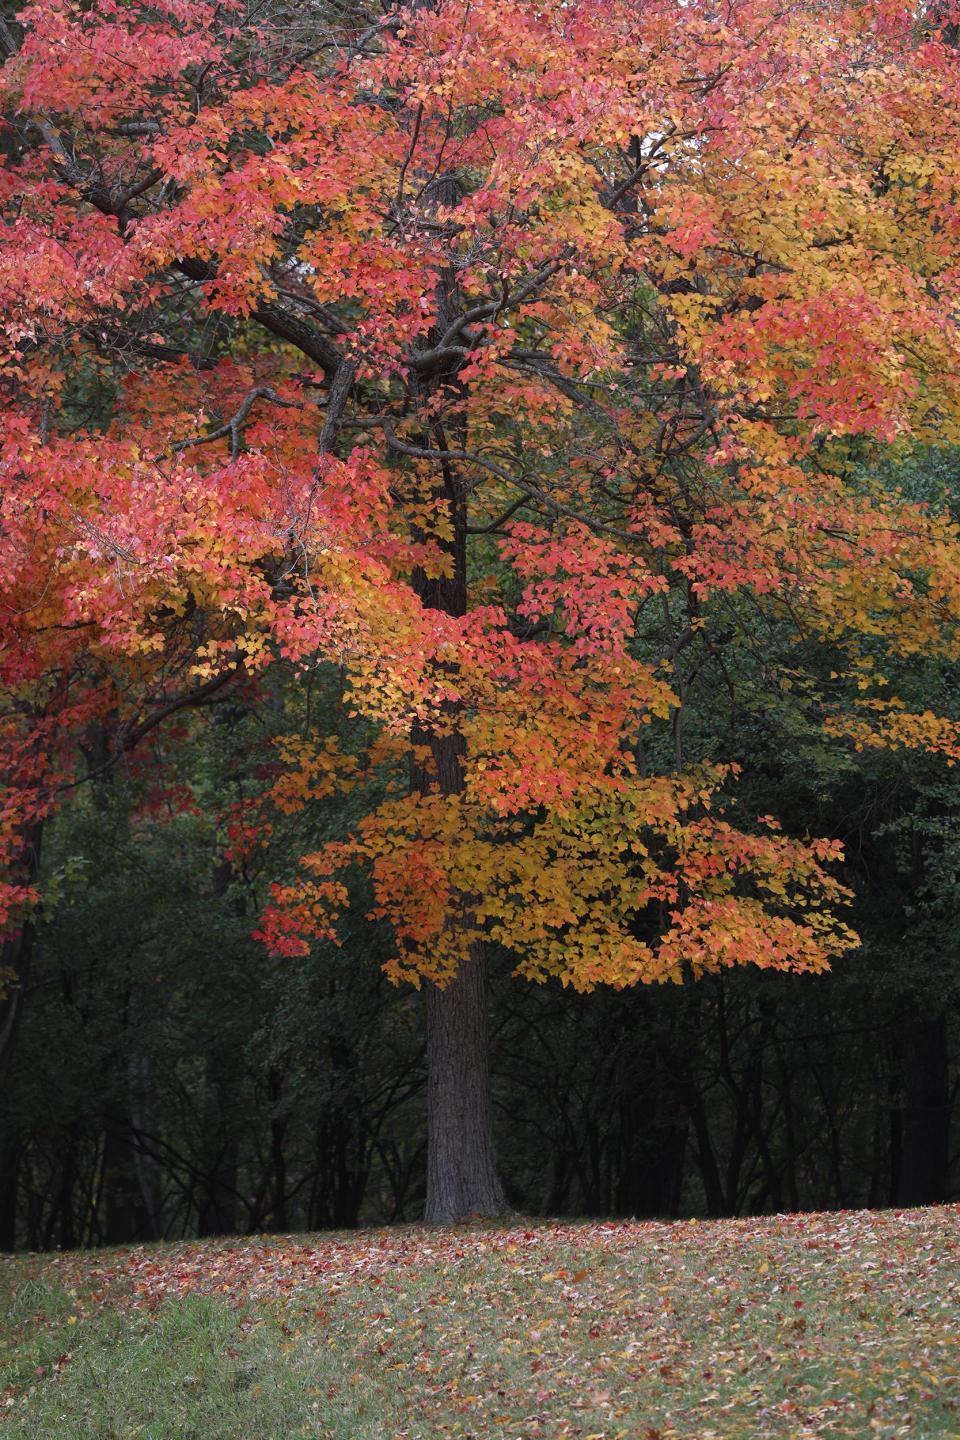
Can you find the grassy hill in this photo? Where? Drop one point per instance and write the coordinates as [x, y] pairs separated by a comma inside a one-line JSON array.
[[798, 1326]]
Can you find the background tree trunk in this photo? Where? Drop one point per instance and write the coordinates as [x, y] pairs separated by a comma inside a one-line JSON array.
[[16, 954], [9, 1181], [925, 1150]]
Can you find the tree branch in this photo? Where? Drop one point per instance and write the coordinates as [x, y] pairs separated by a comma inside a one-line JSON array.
[[232, 426]]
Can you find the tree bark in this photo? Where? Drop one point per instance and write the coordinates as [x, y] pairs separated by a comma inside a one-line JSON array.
[[9, 1184], [16, 955], [925, 1155], [462, 1178]]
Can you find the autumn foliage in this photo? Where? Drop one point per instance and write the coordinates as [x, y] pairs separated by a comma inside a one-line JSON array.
[[513, 358]]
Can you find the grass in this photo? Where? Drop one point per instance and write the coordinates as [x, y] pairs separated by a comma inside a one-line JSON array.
[[803, 1327]]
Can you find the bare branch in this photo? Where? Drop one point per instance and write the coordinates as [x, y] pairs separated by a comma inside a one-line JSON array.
[[232, 426]]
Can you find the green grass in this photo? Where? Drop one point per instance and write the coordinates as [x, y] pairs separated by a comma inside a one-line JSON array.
[[802, 1327]]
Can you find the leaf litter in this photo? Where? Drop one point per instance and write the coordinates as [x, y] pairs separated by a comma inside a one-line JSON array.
[[800, 1326]]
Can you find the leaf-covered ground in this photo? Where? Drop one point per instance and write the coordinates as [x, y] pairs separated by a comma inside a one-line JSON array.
[[799, 1326]]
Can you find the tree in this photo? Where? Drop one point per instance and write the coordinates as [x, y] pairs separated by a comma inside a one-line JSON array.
[[509, 357]]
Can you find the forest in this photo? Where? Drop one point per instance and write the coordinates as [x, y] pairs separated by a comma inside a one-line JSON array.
[[479, 600]]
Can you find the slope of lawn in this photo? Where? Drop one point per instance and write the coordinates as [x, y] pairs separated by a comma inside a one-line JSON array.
[[799, 1326]]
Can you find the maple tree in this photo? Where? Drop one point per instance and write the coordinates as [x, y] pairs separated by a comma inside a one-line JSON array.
[[502, 355]]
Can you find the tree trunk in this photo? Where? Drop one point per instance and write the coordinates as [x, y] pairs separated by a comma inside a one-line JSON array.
[[924, 1157], [9, 1184], [141, 1121], [126, 1217], [462, 1178], [16, 955]]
